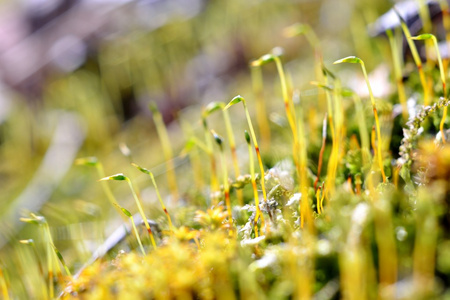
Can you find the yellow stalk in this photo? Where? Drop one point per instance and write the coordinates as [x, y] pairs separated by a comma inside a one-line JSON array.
[[263, 123], [416, 57], [398, 74], [141, 211], [354, 59], [163, 206], [167, 150], [255, 190]]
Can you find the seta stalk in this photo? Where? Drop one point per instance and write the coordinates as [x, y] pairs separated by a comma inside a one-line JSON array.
[[167, 149], [357, 60], [428, 36], [152, 177], [121, 177]]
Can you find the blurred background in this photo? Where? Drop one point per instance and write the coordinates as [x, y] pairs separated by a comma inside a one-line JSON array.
[[76, 80]]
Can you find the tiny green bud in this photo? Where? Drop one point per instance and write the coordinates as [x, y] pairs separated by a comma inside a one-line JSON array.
[[247, 136], [234, 101], [349, 59], [212, 107], [262, 60], [143, 170], [295, 30], [217, 138], [425, 36], [87, 161], [27, 242], [153, 108], [119, 177], [125, 211]]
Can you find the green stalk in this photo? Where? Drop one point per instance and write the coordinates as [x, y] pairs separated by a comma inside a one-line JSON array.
[[233, 101], [253, 178], [305, 208], [322, 150], [263, 123], [398, 73], [354, 59], [121, 177], [94, 162], [288, 105], [213, 106], [226, 186], [416, 57], [136, 233], [152, 177], [167, 150], [209, 147], [428, 36]]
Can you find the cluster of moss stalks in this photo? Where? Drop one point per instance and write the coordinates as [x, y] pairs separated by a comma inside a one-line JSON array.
[[341, 217]]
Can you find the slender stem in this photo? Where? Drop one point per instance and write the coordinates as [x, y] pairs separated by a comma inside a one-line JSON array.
[[398, 73], [137, 235], [258, 154], [141, 211], [377, 122], [322, 150], [290, 112], [305, 208], [167, 150], [255, 190], [161, 202], [263, 124], [226, 188], [209, 145], [362, 129], [108, 191], [417, 60], [234, 155]]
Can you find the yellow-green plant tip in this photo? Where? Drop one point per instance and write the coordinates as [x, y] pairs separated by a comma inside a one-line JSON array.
[[212, 107], [27, 242], [124, 210], [346, 92], [217, 138], [247, 137], [30, 221], [322, 85], [87, 161], [263, 60], [295, 30], [143, 170], [119, 177], [348, 59], [327, 72], [60, 257], [425, 36], [153, 108], [233, 101]]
